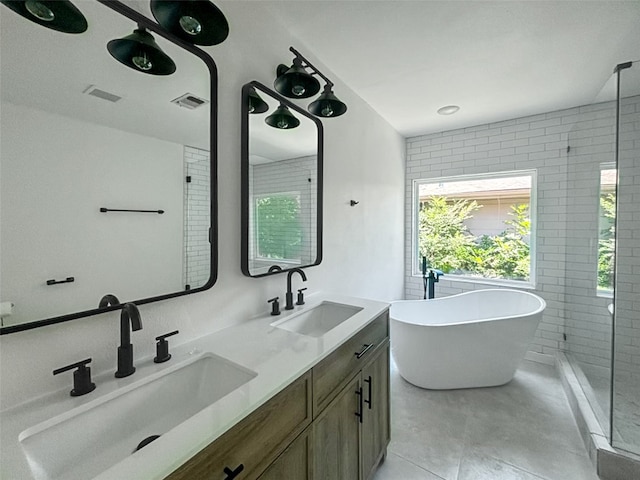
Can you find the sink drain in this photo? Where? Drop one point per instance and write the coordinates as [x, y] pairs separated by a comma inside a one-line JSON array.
[[146, 442]]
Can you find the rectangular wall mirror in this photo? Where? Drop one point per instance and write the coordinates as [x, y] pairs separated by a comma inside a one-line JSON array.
[[281, 184], [85, 139]]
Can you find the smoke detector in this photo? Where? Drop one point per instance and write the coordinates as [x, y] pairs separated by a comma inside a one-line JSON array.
[[190, 101]]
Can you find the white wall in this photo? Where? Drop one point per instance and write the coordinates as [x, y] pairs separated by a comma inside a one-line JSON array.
[[363, 245], [47, 211]]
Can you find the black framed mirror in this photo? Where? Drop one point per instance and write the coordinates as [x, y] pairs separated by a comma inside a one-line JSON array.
[[281, 184], [108, 174]]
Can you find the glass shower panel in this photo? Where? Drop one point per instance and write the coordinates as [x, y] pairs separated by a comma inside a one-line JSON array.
[[588, 247], [625, 416]]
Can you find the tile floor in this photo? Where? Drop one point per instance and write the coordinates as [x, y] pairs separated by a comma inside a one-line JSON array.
[[521, 431]]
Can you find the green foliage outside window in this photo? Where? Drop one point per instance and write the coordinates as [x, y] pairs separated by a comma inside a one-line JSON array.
[[449, 245], [279, 231], [607, 242]]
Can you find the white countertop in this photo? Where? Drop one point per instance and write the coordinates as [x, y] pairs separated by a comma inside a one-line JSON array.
[[276, 355]]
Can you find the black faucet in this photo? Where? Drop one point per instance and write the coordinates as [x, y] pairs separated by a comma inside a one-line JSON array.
[[432, 279], [130, 316], [289, 296]]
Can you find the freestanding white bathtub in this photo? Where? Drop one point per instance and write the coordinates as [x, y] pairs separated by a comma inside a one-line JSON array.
[[473, 339]]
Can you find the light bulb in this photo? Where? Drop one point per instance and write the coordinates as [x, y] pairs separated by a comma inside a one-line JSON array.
[[190, 25], [326, 111], [298, 90], [142, 62], [40, 11], [251, 108], [282, 123]]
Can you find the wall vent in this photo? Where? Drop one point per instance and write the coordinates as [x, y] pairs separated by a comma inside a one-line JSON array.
[[96, 92], [190, 101]]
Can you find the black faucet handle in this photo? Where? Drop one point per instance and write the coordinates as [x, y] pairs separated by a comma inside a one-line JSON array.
[[275, 305], [162, 347], [82, 383], [301, 296]]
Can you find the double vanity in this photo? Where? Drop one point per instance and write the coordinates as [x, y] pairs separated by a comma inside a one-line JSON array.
[[301, 395]]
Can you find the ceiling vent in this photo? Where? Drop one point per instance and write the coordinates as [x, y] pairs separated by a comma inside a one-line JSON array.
[[190, 101], [96, 92]]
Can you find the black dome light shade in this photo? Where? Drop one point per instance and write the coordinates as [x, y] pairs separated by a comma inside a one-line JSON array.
[[327, 104], [282, 118], [60, 15], [256, 103], [195, 21], [140, 52], [295, 82]]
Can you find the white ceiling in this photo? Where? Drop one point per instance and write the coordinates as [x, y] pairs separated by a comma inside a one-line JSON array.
[[495, 59]]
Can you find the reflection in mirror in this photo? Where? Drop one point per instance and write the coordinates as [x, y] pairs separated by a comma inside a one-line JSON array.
[[281, 184], [106, 175]]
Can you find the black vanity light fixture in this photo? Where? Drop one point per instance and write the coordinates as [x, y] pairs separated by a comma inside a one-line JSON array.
[[296, 82], [59, 15], [282, 118], [256, 103], [140, 52], [195, 21]]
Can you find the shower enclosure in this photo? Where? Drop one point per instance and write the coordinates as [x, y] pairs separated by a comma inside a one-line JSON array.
[[602, 255]]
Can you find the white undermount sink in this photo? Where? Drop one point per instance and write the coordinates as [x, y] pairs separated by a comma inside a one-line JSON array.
[[318, 320], [89, 439]]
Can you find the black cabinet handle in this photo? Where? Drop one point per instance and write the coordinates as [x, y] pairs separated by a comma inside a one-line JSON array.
[[369, 382], [367, 347], [360, 406], [231, 474]]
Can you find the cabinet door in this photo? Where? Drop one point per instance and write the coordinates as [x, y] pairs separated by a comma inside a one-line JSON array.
[[296, 463], [336, 436], [375, 424]]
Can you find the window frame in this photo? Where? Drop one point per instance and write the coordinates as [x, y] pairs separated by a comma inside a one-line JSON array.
[[533, 214]]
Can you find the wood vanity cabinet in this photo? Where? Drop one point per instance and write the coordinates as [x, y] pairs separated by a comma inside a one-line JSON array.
[[351, 435], [351, 406], [330, 424]]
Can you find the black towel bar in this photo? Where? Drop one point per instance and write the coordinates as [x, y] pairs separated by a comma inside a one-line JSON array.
[[103, 210], [56, 282]]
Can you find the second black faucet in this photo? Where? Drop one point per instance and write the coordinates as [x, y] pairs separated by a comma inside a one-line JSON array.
[[130, 316], [289, 297]]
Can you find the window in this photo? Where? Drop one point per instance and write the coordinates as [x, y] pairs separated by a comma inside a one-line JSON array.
[[278, 227], [476, 225], [607, 228]]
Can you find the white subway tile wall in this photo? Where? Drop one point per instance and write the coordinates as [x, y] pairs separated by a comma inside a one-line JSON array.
[[627, 308], [197, 217], [567, 214]]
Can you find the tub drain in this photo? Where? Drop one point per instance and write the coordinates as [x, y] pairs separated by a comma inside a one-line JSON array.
[[146, 442]]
